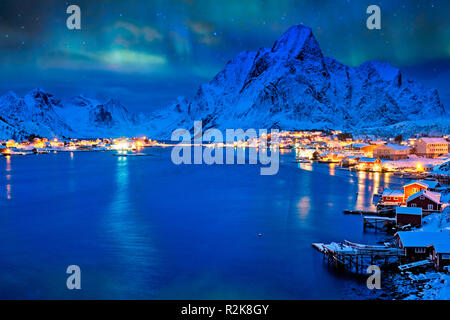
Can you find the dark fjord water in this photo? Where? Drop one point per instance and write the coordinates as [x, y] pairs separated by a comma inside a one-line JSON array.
[[144, 228]]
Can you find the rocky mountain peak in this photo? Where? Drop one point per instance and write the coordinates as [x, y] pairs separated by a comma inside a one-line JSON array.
[[42, 98], [297, 42], [293, 85]]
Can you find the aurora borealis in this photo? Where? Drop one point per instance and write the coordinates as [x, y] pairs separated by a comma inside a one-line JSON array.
[[148, 52]]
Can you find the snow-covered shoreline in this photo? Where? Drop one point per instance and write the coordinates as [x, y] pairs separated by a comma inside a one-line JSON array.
[[428, 285]]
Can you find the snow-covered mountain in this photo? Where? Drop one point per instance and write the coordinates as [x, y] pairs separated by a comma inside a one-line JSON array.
[[292, 85], [42, 114]]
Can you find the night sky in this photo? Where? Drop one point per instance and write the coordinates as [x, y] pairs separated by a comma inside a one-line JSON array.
[[147, 53]]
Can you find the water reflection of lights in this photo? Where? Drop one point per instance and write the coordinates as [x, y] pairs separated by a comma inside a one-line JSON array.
[[8, 177], [332, 169], [122, 174], [362, 175], [387, 177], [304, 206], [376, 185], [305, 166], [129, 236], [376, 176], [361, 190], [284, 151], [373, 180]]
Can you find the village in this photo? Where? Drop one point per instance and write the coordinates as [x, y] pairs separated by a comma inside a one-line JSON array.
[[44, 145], [414, 158]]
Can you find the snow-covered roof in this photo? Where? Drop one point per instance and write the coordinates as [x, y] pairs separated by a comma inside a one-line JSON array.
[[431, 183], [408, 210], [433, 196], [397, 147], [392, 193], [359, 145], [442, 246], [434, 140], [364, 159], [422, 183], [423, 238]]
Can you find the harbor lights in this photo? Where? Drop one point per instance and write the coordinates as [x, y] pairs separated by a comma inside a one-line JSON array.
[[377, 168], [419, 167], [121, 145]]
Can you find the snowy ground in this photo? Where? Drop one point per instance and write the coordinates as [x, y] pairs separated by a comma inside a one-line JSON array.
[[412, 162], [430, 285], [438, 222], [427, 286]]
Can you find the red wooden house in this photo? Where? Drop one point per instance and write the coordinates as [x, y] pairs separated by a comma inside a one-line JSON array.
[[441, 254], [429, 201], [369, 164], [408, 215], [414, 187], [417, 245], [392, 197], [420, 245]]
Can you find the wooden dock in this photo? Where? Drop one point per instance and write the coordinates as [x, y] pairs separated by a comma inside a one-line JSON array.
[[378, 223], [383, 211], [357, 257], [360, 212]]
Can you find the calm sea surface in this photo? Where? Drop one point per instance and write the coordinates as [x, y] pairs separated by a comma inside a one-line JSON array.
[[144, 228]]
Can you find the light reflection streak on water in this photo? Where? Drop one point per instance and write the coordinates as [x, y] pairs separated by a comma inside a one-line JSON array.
[[129, 238], [360, 199], [369, 183], [372, 180], [70, 177], [304, 206], [306, 166], [8, 177], [387, 177], [376, 184], [332, 169]]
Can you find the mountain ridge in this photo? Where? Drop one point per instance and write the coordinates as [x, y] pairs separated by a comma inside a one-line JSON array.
[[291, 85], [294, 85], [39, 113]]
